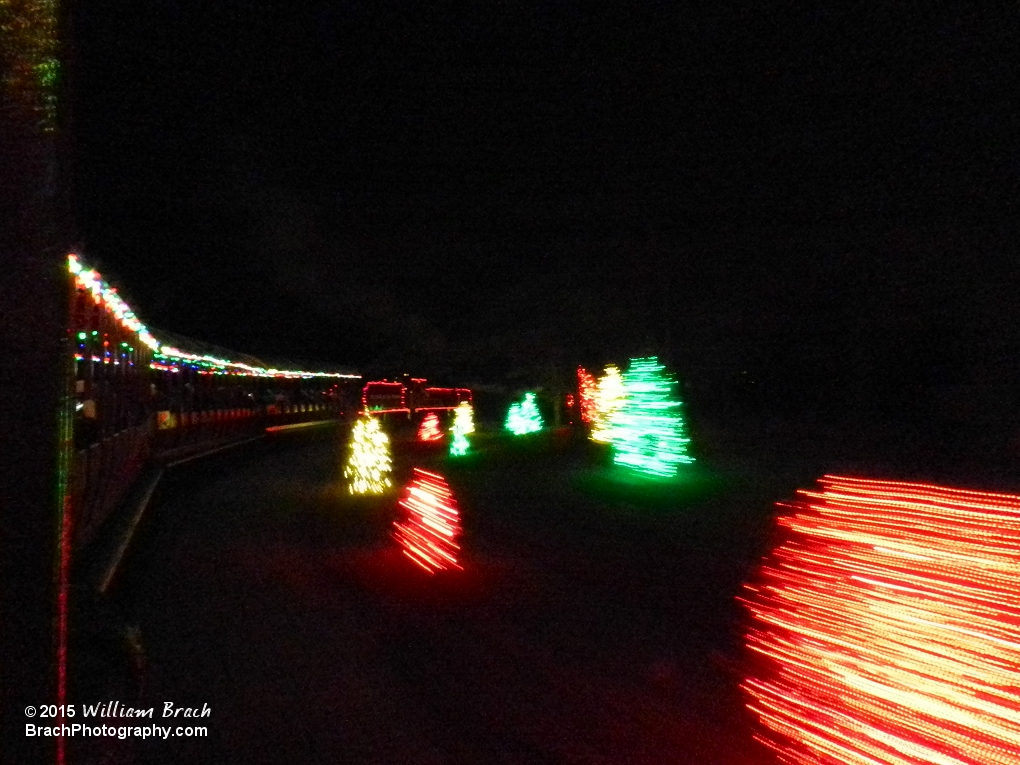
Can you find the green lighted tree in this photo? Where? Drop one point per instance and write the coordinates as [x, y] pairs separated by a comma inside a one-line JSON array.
[[524, 416], [647, 431], [463, 426]]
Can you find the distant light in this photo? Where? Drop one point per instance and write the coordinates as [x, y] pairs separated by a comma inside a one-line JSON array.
[[463, 426], [524, 417], [429, 429]]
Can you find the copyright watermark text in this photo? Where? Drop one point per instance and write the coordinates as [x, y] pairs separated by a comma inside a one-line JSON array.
[[113, 719]]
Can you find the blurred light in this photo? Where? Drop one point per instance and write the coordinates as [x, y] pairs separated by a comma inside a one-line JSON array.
[[463, 426], [647, 431], [587, 389], [368, 467], [886, 628], [430, 530], [609, 397], [429, 429], [524, 416]]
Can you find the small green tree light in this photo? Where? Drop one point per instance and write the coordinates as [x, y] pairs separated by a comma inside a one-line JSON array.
[[647, 431], [524, 416], [463, 425]]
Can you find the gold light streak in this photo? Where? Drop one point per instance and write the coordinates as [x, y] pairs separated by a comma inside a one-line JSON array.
[[886, 628], [368, 465]]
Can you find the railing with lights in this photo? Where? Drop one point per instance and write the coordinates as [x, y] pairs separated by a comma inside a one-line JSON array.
[[142, 394]]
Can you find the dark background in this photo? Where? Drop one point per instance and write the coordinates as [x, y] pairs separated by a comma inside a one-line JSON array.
[[799, 209]]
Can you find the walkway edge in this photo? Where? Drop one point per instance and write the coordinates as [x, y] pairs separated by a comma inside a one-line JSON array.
[[142, 504]]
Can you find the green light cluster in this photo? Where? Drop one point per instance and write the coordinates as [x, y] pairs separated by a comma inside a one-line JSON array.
[[463, 425], [524, 416], [647, 431]]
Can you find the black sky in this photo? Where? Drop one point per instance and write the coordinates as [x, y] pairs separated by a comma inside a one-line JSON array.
[[814, 193]]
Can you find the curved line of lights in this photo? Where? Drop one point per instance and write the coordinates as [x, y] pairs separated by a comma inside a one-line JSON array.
[[886, 629], [89, 279]]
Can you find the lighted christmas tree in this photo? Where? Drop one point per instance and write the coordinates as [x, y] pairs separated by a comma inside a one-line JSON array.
[[524, 416], [429, 429], [648, 431], [463, 425], [587, 389], [609, 397], [430, 530], [368, 467]]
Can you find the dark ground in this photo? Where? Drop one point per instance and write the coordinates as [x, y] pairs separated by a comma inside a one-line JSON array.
[[592, 623]]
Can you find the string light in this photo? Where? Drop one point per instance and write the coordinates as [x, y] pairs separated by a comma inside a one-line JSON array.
[[587, 389], [429, 429], [430, 531], [524, 416], [103, 294], [463, 426], [609, 396], [368, 467], [886, 629], [647, 431], [166, 357], [382, 397]]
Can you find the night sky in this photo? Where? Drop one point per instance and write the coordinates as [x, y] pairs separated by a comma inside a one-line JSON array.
[[809, 198]]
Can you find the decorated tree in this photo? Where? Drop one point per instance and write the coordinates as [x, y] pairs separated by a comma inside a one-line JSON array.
[[429, 429], [609, 397], [463, 426], [430, 530], [587, 389], [647, 431], [524, 416], [368, 466]]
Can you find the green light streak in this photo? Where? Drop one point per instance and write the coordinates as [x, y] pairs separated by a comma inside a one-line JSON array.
[[648, 432], [524, 416]]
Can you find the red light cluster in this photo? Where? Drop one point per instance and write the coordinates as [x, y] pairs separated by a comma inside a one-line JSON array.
[[382, 397], [431, 528], [587, 388], [887, 627], [430, 429]]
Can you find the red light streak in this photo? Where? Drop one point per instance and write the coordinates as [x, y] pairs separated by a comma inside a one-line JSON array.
[[886, 628], [431, 528], [587, 388], [430, 429]]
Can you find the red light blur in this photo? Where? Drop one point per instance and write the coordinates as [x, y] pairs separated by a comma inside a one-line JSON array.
[[587, 388], [430, 530], [886, 628]]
